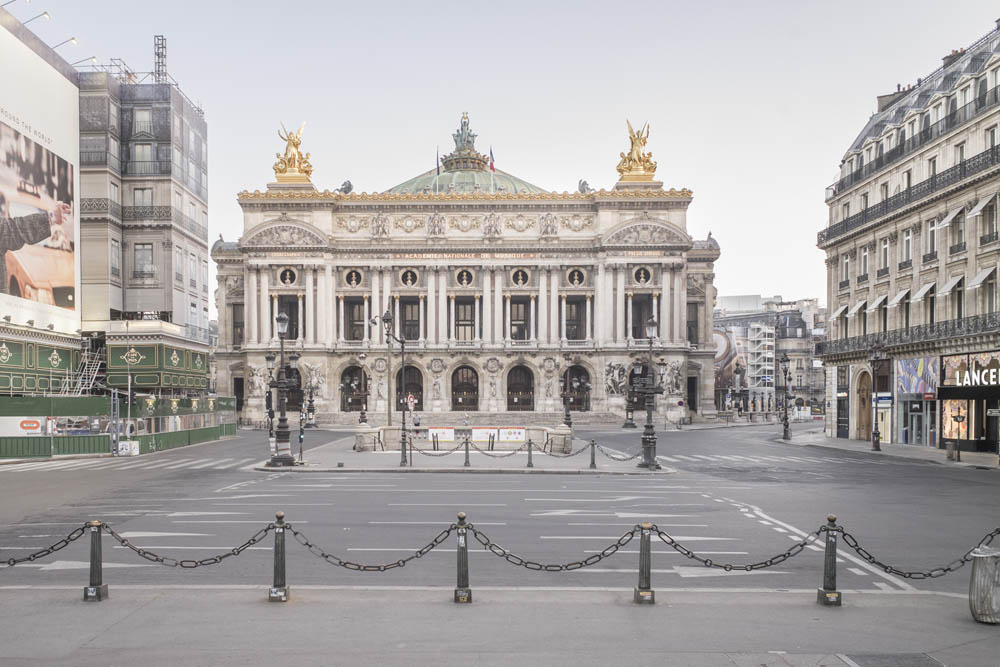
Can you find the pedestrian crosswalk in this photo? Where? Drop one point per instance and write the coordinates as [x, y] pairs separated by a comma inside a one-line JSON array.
[[139, 463], [760, 459]]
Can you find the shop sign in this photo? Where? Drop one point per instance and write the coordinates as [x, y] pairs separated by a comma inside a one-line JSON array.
[[978, 377], [882, 399], [930, 397], [993, 412], [972, 370]]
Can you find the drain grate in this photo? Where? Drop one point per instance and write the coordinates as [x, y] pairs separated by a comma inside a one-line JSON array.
[[891, 660]]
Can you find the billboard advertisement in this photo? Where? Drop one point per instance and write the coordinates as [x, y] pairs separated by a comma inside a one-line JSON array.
[[39, 190]]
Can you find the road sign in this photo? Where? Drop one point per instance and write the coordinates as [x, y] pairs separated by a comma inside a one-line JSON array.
[[993, 412], [410, 402]]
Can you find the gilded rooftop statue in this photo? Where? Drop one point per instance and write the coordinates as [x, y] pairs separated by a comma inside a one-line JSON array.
[[636, 165], [292, 167]]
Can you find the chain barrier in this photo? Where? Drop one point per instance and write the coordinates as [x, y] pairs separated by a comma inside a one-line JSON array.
[[437, 453], [360, 567], [566, 456], [64, 542], [498, 456], [189, 564], [620, 459], [514, 559], [796, 549], [933, 573]]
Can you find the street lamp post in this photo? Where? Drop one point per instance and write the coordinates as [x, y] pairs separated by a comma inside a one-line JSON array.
[[650, 389], [958, 419], [786, 430], [877, 357], [363, 417], [283, 450], [629, 405], [389, 337], [311, 410]]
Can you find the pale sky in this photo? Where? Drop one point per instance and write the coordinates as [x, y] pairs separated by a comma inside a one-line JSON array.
[[751, 104]]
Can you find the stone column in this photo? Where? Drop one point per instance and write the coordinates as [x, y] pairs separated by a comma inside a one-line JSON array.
[[507, 327], [543, 301], [600, 300], [251, 298], [264, 298], [322, 309], [366, 327], [387, 299], [654, 312], [628, 318], [619, 336], [374, 303], [396, 323], [498, 323], [302, 317], [329, 304], [309, 316], [431, 306], [665, 303], [442, 285], [487, 307], [273, 319], [340, 324], [532, 317], [554, 306], [680, 304], [589, 335], [451, 324], [562, 320], [421, 309], [476, 336]]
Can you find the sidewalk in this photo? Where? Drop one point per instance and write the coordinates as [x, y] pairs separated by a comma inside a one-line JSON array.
[[338, 456], [418, 625], [817, 438]]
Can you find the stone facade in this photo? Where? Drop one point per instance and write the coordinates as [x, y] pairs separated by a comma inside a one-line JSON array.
[[499, 294]]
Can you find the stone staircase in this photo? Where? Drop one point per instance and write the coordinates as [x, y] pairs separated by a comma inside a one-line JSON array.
[[430, 419]]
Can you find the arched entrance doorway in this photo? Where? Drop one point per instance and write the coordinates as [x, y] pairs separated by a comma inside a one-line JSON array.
[[577, 380], [353, 387], [414, 385], [864, 407], [520, 389], [465, 389]]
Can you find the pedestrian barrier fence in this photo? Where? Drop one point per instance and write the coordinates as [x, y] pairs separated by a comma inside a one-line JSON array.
[[984, 591], [528, 446]]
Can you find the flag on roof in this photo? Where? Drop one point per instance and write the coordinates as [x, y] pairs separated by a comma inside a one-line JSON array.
[[492, 166], [437, 161]]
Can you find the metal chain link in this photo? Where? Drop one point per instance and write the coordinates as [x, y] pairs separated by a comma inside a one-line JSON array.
[[933, 573], [566, 456], [436, 453], [514, 559], [498, 456], [360, 567], [796, 549], [64, 542], [189, 564], [620, 459]]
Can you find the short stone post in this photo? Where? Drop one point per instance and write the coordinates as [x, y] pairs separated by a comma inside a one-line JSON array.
[[279, 592], [984, 584], [593, 454], [644, 593], [530, 464], [462, 591], [467, 464], [829, 595], [97, 590]]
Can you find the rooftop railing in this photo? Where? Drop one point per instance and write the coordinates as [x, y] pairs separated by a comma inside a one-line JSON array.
[[966, 326]]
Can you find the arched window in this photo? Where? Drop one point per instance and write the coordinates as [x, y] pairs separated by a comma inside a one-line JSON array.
[[465, 389], [414, 385], [576, 380], [353, 389], [520, 389]]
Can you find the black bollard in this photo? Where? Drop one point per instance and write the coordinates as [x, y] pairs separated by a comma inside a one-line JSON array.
[[462, 591], [467, 464], [530, 464], [644, 593], [279, 592], [593, 452], [829, 595], [97, 590]]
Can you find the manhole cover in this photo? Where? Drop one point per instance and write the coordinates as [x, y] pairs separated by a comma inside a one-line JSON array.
[[893, 660]]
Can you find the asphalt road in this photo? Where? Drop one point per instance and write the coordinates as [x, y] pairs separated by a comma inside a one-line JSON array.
[[740, 495]]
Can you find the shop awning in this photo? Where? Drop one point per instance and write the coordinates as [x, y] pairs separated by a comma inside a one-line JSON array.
[[854, 311], [978, 208], [981, 278], [922, 292], [840, 311], [877, 302], [896, 300], [950, 285], [946, 220]]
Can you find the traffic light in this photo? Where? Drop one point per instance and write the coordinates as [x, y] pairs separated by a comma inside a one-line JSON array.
[[302, 436], [267, 401]]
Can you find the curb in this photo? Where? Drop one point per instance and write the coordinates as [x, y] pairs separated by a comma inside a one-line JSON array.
[[480, 471], [888, 455]]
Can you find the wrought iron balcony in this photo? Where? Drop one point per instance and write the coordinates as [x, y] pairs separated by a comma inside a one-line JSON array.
[[142, 127], [147, 168], [882, 273], [844, 284], [956, 248], [863, 278], [930, 256], [987, 239], [905, 264], [100, 159], [966, 326], [89, 205], [974, 165], [130, 213]]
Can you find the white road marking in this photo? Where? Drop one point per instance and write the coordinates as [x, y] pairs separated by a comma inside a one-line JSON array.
[[209, 463], [175, 547], [679, 538], [78, 565], [425, 523], [860, 573], [446, 504], [134, 534]]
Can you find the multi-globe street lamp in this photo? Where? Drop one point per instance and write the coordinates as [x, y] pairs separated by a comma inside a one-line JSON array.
[[649, 389], [283, 450], [786, 429], [877, 357], [390, 336], [571, 388]]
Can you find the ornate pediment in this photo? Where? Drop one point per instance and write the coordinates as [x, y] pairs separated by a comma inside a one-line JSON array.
[[284, 236], [647, 233]]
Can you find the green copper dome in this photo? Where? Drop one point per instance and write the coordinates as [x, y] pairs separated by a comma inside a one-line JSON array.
[[465, 171]]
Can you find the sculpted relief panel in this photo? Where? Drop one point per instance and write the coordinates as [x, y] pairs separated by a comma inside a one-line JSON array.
[[647, 233], [285, 235]]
